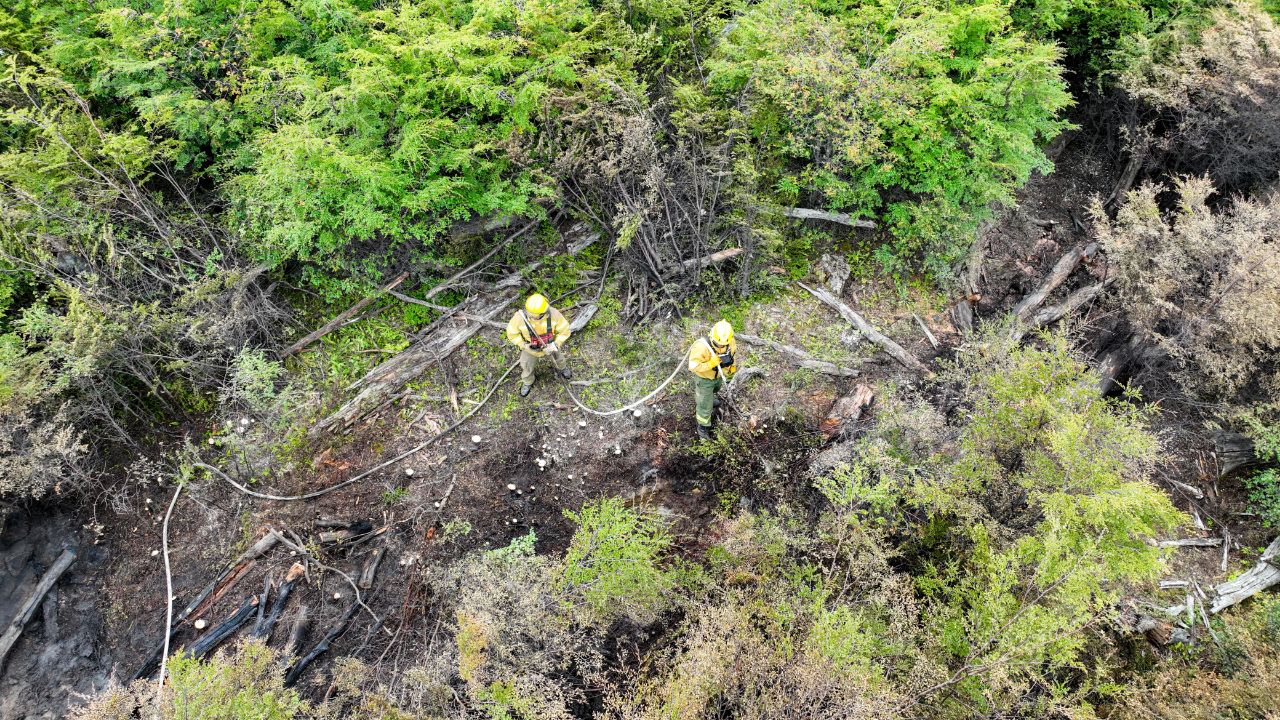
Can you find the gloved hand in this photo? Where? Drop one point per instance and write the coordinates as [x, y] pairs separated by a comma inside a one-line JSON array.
[[552, 347], [531, 347]]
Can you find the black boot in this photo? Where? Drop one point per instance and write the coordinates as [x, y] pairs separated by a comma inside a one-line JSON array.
[[525, 390], [704, 432], [565, 373]]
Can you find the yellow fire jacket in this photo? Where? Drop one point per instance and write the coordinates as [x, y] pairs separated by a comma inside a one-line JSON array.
[[552, 322], [703, 359]]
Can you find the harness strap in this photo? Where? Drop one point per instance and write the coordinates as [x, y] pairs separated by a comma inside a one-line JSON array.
[[542, 339]]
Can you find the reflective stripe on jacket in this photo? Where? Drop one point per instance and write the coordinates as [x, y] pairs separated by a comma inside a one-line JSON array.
[[553, 320], [703, 359]]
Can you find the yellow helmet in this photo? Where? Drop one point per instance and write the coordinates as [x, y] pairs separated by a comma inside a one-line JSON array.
[[722, 333], [536, 304]]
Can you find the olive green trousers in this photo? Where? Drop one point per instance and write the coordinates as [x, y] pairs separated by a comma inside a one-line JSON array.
[[704, 392]]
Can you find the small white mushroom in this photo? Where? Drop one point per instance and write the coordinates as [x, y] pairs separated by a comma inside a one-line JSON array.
[[511, 487], [436, 504], [476, 439], [244, 422], [155, 553], [337, 596], [408, 471], [201, 624], [582, 423]]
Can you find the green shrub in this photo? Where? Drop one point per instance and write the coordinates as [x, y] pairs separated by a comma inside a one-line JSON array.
[[919, 115], [613, 561]]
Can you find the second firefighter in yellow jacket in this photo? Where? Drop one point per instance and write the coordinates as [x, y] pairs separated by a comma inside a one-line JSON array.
[[539, 330], [712, 361]]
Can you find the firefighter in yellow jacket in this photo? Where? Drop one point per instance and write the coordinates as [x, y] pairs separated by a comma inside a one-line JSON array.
[[539, 330], [711, 360]]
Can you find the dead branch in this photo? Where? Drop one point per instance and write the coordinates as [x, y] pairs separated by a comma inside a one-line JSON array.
[[927, 332], [801, 358], [27, 609], [460, 315], [450, 282], [1052, 314], [342, 317], [1061, 271], [835, 217], [889, 346]]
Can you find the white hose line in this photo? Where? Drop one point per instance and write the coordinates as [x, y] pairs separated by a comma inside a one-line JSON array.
[[624, 408], [356, 478], [168, 598]]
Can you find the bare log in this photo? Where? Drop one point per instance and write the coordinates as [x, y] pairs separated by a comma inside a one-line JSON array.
[[1061, 271], [1226, 550], [27, 609], [291, 678], [889, 346], [802, 358], [291, 579], [1253, 581], [835, 217], [342, 317]]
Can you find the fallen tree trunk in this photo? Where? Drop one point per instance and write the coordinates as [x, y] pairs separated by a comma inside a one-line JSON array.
[[802, 358], [382, 383], [835, 217], [342, 317], [895, 350], [1061, 271], [27, 609], [321, 647], [1114, 362]]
